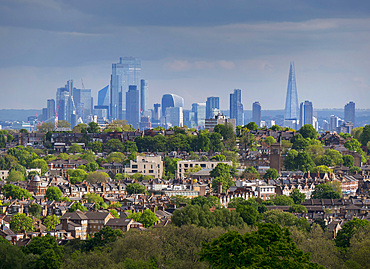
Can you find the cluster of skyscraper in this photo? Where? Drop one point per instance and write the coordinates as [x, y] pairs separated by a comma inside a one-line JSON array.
[[297, 117], [126, 99]]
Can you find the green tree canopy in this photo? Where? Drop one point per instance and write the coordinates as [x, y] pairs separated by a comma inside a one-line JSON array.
[[77, 175], [135, 188], [271, 173], [210, 201], [218, 157], [114, 145], [297, 209], [268, 247], [325, 191], [20, 223], [252, 126], [307, 131], [269, 140], [75, 148], [35, 210], [297, 196], [9, 190], [15, 176], [349, 228], [97, 176], [348, 160], [283, 200], [54, 194], [365, 135], [93, 127], [299, 142], [50, 222], [77, 206]]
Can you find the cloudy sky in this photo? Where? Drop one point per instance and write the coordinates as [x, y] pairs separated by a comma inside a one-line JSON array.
[[193, 48]]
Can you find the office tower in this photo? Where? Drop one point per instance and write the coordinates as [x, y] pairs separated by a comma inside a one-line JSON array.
[[212, 107], [133, 106], [125, 73], [62, 97], [334, 120], [291, 104], [306, 113], [50, 110], [143, 95], [236, 107], [349, 112], [82, 103], [189, 119], [145, 123], [44, 114], [199, 110], [71, 116], [156, 115], [103, 96], [256, 113], [171, 100], [315, 123], [174, 117]]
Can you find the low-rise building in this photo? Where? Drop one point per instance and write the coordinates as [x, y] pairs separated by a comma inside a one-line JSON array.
[[184, 166]]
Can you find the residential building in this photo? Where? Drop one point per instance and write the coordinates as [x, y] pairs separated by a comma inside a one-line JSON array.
[[145, 165], [184, 166], [218, 119], [236, 107]]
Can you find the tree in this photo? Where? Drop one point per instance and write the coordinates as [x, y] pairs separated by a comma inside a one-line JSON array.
[[9, 190], [286, 219], [135, 188], [35, 210], [283, 200], [20, 223], [221, 169], [9, 138], [114, 213], [365, 136], [15, 176], [248, 213], [192, 170], [77, 175], [297, 196], [297, 209], [148, 218], [250, 173], [95, 198], [102, 238], [23, 131], [96, 146], [80, 128], [219, 158], [130, 146], [77, 206], [75, 148], [93, 127], [226, 182], [322, 169], [349, 228], [325, 191], [97, 176], [51, 222], [226, 130], [307, 131], [268, 247], [271, 173], [252, 126], [269, 140], [114, 145], [49, 253], [215, 144], [40, 163], [354, 145], [210, 201], [355, 170], [54, 194], [116, 157], [63, 124], [299, 142], [276, 128]]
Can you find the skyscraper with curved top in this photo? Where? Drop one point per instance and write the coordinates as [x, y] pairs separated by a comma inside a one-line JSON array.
[[173, 117], [291, 104]]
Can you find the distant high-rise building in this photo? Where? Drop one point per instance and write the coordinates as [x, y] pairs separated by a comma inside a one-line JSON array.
[[44, 114], [156, 115], [83, 104], [174, 117], [236, 107], [349, 112], [189, 119], [171, 100], [133, 106], [256, 113], [143, 95], [334, 123], [50, 110], [145, 123], [212, 107], [62, 97], [291, 104], [126, 72], [199, 110], [306, 113], [103, 96]]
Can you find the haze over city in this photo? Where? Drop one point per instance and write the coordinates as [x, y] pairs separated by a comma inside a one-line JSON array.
[[190, 48]]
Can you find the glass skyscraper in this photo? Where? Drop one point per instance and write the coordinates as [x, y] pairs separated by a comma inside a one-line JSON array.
[[50, 110], [349, 112], [143, 95], [306, 113], [212, 107], [103, 96], [291, 104], [256, 113], [199, 110], [133, 106], [125, 73], [236, 107]]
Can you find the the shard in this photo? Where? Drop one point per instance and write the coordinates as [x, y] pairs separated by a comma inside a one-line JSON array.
[[291, 104]]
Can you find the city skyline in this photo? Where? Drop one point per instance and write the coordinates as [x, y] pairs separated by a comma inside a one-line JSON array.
[[207, 49]]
